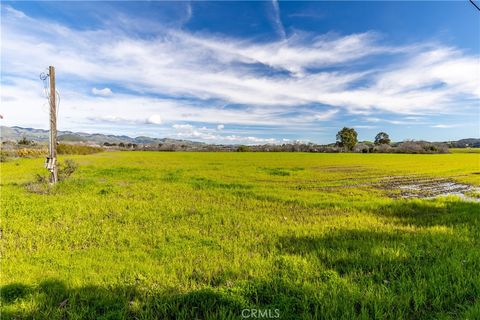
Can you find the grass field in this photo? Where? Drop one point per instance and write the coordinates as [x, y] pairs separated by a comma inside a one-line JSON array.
[[465, 150], [149, 235]]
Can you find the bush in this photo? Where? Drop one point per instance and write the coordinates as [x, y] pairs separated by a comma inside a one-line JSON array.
[[41, 183], [3, 156], [31, 153], [243, 149], [383, 148], [362, 147], [421, 147], [409, 147], [24, 141], [66, 169]]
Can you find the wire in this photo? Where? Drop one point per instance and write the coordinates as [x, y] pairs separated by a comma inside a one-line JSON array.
[[45, 109], [478, 8], [46, 81], [58, 102], [43, 76]]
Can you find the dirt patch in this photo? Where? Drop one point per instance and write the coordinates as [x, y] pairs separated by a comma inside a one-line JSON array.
[[406, 187], [426, 187]]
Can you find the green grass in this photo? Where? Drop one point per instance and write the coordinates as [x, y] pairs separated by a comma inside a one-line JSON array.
[[149, 235], [465, 150]]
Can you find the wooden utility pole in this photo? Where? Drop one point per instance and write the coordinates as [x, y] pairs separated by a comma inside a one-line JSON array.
[[52, 157]]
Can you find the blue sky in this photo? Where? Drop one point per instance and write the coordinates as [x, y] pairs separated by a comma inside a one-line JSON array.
[[246, 72]]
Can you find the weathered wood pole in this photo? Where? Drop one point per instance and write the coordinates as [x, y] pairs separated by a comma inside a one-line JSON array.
[[52, 159]]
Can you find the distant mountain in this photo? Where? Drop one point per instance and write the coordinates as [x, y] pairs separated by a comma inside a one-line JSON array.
[[465, 143], [40, 135]]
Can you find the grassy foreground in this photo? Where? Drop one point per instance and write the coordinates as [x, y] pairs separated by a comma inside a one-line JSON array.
[[148, 235]]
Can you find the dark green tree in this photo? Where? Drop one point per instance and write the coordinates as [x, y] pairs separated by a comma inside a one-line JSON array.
[[243, 148], [347, 138], [382, 138], [24, 141]]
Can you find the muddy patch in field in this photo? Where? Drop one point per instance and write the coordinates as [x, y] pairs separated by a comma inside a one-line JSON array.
[[427, 188]]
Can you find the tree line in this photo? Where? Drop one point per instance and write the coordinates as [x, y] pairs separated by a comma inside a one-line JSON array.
[[347, 138], [346, 141]]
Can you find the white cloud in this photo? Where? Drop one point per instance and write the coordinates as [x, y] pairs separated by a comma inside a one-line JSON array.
[[327, 115], [14, 12], [154, 119], [407, 121], [364, 127], [105, 92], [295, 54], [277, 21], [188, 131], [188, 12], [267, 82], [445, 126], [202, 67]]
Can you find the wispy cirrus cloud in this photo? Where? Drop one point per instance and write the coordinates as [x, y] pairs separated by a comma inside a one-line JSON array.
[[446, 126], [327, 115], [299, 80], [277, 20], [401, 121]]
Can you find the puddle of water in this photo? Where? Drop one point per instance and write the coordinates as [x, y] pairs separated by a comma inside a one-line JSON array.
[[430, 188]]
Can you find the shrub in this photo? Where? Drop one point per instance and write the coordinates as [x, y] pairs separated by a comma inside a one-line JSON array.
[[362, 147], [413, 147], [31, 153], [41, 182], [243, 149], [383, 148], [108, 144], [421, 147], [39, 185], [3, 156], [77, 149], [66, 169], [24, 141]]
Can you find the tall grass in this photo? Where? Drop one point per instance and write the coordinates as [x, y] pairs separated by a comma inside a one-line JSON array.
[[465, 150], [42, 151], [77, 149]]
